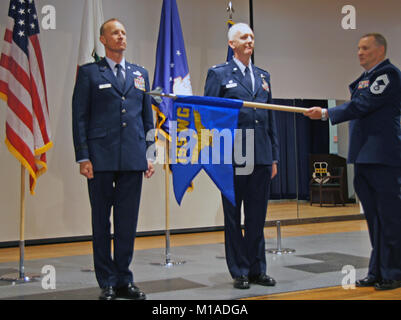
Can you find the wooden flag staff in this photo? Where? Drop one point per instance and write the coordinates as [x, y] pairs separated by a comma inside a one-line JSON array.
[[21, 276], [158, 94], [22, 225], [168, 263], [273, 107]]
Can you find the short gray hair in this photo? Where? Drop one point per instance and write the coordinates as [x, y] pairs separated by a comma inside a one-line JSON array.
[[235, 28], [379, 39]]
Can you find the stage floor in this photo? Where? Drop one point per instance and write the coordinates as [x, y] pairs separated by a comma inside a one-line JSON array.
[[317, 263]]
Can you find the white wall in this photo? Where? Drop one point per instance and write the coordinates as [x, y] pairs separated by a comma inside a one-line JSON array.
[[60, 207], [300, 42], [309, 55]]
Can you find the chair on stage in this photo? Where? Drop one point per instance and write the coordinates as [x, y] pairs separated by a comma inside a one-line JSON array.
[[327, 183]]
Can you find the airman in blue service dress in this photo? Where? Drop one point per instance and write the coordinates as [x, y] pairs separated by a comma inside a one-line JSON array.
[[375, 150], [110, 122], [245, 254]]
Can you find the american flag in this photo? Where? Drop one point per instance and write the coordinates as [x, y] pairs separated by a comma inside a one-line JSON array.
[[23, 87]]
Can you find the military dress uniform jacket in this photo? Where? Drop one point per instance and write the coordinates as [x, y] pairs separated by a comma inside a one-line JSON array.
[[110, 123], [374, 111], [226, 81]]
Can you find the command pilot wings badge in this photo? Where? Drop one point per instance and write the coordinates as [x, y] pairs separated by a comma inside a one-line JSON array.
[[380, 84]]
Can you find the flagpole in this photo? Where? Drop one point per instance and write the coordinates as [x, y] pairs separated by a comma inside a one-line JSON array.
[[21, 276], [167, 201], [267, 106], [22, 225], [248, 104], [169, 262]]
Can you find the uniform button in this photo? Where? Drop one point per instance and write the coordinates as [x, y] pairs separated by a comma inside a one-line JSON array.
[[123, 98], [124, 124], [124, 111], [256, 121]]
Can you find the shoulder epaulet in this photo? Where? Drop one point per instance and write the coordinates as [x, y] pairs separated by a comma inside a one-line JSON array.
[[220, 65], [260, 69], [87, 64], [138, 66]]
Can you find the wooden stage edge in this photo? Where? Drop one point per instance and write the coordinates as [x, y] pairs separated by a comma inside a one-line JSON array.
[[334, 293]]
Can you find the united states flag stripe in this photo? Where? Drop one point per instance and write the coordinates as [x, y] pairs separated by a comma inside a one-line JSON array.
[[8, 36], [16, 71], [23, 87], [18, 109]]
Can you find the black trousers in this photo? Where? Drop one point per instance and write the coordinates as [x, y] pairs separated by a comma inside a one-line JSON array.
[[245, 252], [379, 189], [122, 191]]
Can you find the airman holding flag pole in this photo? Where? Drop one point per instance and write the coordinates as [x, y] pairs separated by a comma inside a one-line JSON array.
[[375, 150]]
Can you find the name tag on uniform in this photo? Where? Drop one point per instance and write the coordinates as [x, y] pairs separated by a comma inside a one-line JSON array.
[[231, 85], [104, 86]]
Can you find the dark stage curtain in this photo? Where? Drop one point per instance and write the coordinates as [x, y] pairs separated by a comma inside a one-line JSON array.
[[298, 138]]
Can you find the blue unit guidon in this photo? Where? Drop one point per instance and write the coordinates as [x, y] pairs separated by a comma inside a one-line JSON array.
[[203, 131]]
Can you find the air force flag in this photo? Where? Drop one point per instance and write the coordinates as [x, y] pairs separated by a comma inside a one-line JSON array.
[[171, 70]]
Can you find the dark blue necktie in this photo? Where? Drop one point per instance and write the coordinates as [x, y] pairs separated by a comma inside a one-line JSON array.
[[247, 79], [120, 77]]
